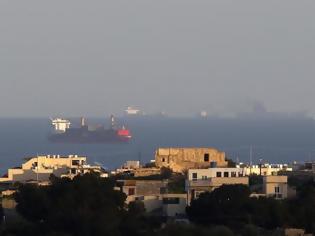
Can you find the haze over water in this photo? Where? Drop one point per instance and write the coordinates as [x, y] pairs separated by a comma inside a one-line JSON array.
[[274, 140], [75, 57], [79, 57]]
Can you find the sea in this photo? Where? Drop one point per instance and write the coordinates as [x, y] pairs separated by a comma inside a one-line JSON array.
[[280, 140]]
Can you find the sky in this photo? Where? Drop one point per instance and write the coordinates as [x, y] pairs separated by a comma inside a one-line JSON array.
[[75, 57]]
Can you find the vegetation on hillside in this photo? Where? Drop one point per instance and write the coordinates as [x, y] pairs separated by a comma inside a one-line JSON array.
[[89, 206], [231, 205]]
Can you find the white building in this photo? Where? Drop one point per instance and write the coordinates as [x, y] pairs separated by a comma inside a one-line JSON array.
[[132, 165], [203, 180], [40, 168], [266, 169], [275, 186], [204, 174]]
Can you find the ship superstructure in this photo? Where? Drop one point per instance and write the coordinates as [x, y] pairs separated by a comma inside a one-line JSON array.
[[60, 125]]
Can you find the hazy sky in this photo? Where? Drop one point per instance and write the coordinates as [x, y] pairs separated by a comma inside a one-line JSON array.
[[74, 57]]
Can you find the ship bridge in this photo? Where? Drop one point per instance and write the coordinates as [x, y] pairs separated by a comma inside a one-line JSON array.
[[60, 125]]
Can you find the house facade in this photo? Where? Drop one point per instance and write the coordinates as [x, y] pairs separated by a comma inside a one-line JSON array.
[[206, 180], [275, 186]]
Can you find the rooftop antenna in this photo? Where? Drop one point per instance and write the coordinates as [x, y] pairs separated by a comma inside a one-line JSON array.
[[250, 159], [139, 157]]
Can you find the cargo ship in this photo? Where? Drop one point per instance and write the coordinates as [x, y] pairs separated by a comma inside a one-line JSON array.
[[64, 133]]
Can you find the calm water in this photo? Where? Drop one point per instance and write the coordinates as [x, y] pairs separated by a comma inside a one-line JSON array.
[[278, 140]]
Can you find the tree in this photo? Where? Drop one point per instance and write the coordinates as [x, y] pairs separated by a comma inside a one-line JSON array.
[[86, 205], [136, 208], [166, 173], [302, 209], [176, 184], [250, 230], [191, 230], [33, 202], [1, 214], [1, 219], [231, 205], [224, 205], [134, 221]]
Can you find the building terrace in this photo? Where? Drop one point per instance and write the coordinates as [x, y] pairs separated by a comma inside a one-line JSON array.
[[40, 168]]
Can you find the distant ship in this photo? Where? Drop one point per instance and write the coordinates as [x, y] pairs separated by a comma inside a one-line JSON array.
[[63, 133], [131, 111]]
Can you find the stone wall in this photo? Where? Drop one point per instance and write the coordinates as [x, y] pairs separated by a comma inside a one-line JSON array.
[[141, 172], [182, 159], [150, 187]]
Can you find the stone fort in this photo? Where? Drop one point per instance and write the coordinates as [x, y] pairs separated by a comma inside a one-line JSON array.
[[182, 159]]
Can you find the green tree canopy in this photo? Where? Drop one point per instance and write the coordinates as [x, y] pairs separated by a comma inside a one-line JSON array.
[[86, 205], [231, 205]]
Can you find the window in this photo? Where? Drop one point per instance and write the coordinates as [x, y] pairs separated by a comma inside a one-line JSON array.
[[35, 164], [240, 174], [206, 157], [219, 174], [233, 174], [277, 189], [226, 174], [75, 162], [131, 191], [204, 177], [163, 159], [194, 176], [73, 171]]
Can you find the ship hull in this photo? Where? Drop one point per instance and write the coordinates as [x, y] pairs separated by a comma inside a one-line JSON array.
[[85, 136]]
